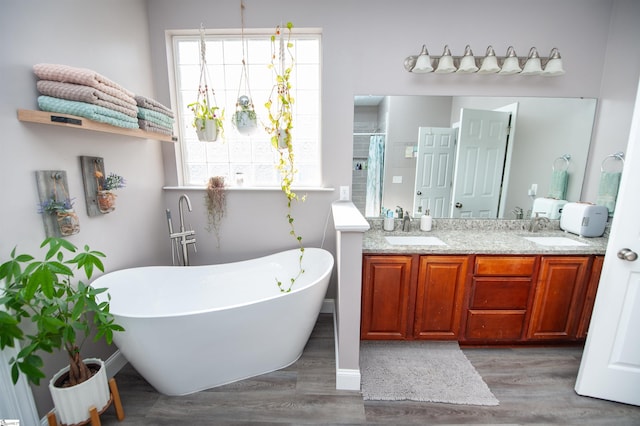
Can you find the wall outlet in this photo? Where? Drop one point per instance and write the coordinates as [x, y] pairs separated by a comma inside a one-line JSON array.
[[344, 193]]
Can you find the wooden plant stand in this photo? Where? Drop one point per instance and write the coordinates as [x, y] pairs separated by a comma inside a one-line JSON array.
[[94, 415]]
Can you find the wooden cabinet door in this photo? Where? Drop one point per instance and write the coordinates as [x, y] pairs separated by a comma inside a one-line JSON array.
[[440, 293], [385, 297], [558, 298], [590, 297]]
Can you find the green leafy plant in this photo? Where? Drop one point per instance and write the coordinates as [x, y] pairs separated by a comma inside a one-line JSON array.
[[109, 183], [216, 202], [53, 206], [280, 116], [61, 311], [202, 112]]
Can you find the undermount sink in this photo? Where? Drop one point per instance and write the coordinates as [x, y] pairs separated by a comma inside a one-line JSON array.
[[555, 241], [414, 240]]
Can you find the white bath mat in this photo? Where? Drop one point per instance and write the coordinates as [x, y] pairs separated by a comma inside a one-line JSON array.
[[421, 371]]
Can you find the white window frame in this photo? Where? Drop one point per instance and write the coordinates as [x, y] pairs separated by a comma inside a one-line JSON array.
[[311, 164]]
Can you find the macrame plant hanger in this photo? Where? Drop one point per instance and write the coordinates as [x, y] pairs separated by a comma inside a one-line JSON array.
[[204, 108], [244, 118]]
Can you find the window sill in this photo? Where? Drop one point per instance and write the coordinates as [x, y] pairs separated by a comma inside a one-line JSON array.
[[251, 188]]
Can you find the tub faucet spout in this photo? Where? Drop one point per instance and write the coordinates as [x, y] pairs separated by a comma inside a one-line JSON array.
[[186, 199], [181, 240]]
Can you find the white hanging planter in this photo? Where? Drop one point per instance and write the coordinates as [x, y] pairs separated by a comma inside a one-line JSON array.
[[72, 404], [207, 130], [245, 122]]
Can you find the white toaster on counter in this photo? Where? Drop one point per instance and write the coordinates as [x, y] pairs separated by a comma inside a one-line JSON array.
[[584, 219]]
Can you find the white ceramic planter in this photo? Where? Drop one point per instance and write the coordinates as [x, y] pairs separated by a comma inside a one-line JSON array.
[[73, 403], [206, 130], [244, 123]]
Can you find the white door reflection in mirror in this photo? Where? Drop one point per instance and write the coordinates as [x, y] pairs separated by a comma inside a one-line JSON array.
[[434, 170], [482, 146]]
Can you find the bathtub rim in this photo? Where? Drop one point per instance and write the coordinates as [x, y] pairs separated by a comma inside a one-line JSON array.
[[105, 296]]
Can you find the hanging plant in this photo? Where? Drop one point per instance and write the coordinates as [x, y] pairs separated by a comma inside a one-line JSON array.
[[216, 201], [59, 204], [207, 116], [62, 209], [244, 118], [106, 197], [280, 109]]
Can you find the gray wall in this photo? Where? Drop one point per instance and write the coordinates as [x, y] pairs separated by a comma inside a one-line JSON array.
[[364, 45], [111, 38]]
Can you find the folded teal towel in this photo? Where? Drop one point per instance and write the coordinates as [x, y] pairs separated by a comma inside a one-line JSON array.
[[558, 187], [155, 117], [608, 190], [90, 111]]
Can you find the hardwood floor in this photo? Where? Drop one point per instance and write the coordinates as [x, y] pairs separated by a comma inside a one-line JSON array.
[[533, 385]]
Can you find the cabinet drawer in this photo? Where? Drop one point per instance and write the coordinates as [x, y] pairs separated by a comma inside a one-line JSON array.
[[494, 325], [500, 293], [512, 266]]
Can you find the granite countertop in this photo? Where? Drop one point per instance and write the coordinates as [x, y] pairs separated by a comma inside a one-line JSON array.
[[479, 237]]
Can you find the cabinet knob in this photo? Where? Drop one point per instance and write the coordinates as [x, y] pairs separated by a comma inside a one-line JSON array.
[[419, 193], [458, 205], [627, 254]]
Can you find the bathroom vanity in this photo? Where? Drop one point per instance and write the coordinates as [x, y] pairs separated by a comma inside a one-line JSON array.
[[479, 285]]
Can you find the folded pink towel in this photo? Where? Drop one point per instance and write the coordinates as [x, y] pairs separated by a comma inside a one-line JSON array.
[[87, 77], [82, 93]]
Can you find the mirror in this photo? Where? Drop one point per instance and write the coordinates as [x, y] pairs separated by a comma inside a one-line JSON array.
[[544, 135]]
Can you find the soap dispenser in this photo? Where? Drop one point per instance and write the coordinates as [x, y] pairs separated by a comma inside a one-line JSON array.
[[426, 221]]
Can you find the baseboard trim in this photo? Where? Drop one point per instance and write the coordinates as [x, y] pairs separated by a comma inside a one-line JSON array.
[[328, 306], [346, 378], [115, 363]]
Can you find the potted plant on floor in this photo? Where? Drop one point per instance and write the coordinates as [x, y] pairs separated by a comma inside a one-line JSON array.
[[60, 312]]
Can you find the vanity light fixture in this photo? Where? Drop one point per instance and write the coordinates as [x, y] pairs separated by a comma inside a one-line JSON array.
[[510, 64], [554, 64], [423, 62], [533, 66], [445, 64], [489, 63], [468, 62]]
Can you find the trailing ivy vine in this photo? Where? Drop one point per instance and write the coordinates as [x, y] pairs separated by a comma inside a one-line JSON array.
[[280, 112]]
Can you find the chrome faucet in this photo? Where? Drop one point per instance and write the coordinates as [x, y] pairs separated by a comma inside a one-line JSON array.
[[183, 197], [538, 222], [406, 222], [181, 240]]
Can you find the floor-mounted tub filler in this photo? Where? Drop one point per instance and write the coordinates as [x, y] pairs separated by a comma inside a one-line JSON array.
[[198, 327]]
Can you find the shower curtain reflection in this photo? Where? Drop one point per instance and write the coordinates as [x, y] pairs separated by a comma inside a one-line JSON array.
[[375, 173]]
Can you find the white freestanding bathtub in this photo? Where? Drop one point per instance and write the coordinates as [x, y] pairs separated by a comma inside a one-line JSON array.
[[193, 328]]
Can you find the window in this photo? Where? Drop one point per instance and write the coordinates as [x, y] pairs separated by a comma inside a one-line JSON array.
[[252, 155]]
